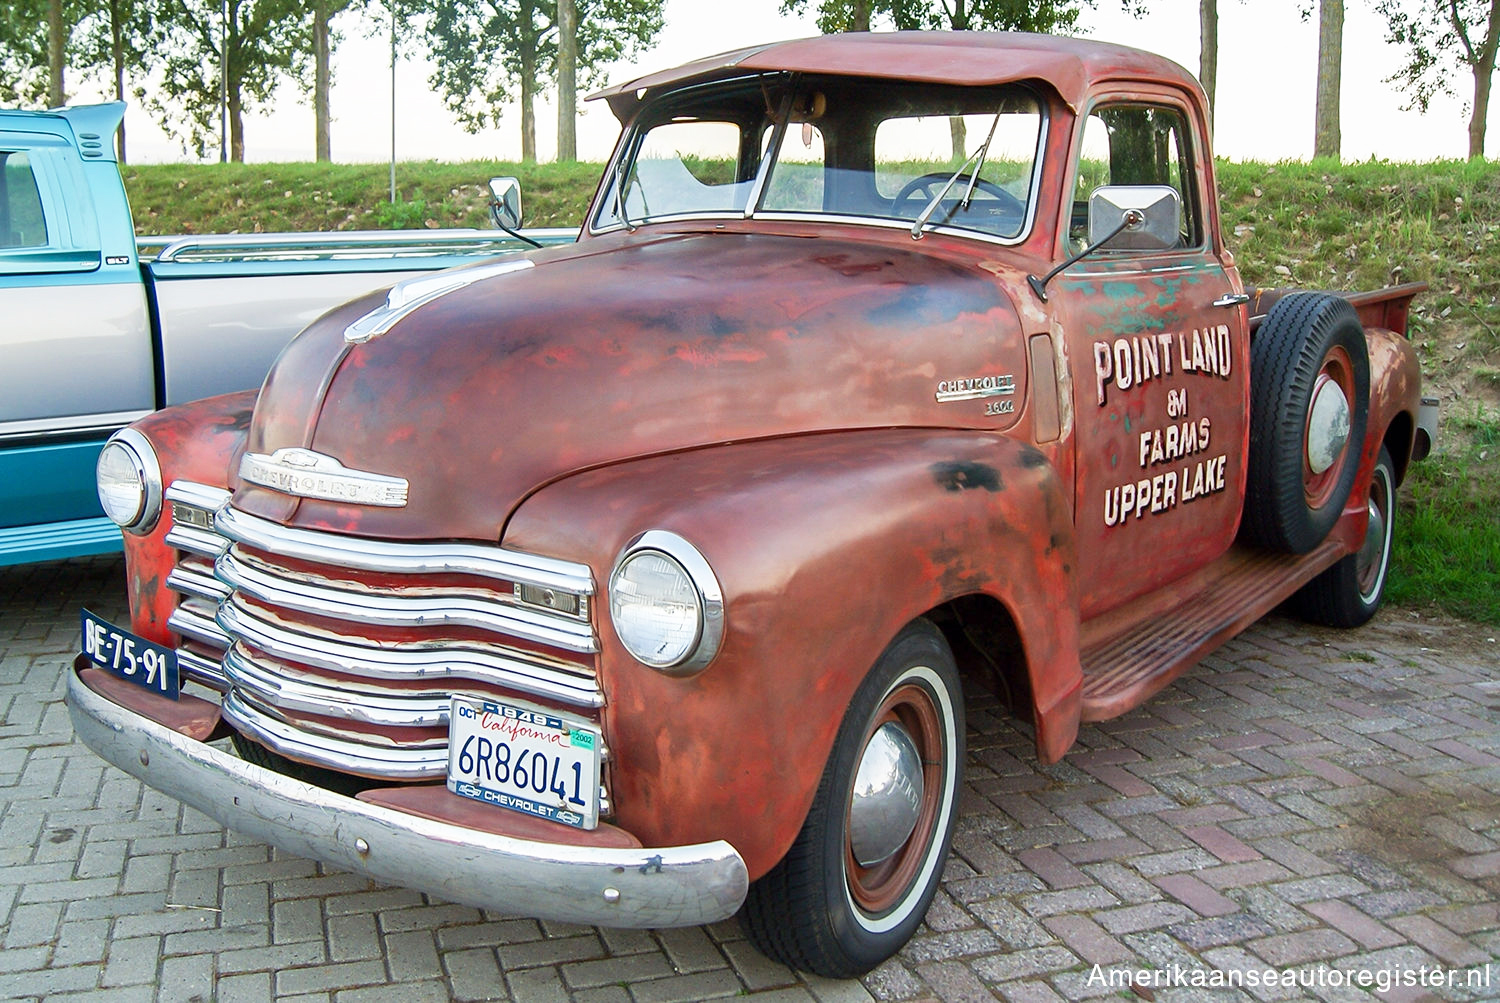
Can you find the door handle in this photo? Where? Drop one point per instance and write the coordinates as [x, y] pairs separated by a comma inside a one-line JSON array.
[[1232, 299]]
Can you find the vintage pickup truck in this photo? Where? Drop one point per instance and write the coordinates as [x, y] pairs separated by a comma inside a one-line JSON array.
[[640, 582], [198, 316]]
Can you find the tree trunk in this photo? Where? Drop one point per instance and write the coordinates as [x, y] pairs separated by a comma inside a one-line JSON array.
[[1208, 51], [57, 43], [1326, 137], [117, 53], [960, 139], [528, 112], [859, 15], [567, 80], [236, 124], [1484, 72], [321, 81]]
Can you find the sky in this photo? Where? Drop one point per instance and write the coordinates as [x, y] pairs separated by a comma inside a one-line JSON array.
[[1267, 69]]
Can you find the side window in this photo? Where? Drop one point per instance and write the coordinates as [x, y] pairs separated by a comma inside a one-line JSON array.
[[21, 221], [797, 182], [686, 166], [1132, 144]]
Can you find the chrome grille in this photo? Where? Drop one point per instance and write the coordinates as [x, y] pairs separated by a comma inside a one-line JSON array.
[[345, 652]]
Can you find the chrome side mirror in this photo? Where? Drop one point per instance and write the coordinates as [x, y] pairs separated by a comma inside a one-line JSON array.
[[1135, 218], [505, 203]]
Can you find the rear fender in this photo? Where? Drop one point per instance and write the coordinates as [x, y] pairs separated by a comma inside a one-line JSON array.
[[1395, 390], [195, 442], [825, 547]]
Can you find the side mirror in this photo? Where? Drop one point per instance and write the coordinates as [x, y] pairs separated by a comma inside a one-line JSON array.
[[1113, 208], [505, 203]]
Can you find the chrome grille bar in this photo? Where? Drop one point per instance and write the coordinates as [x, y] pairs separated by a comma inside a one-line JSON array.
[[532, 674], [340, 602], [195, 619], [332, 752], [405, 558]]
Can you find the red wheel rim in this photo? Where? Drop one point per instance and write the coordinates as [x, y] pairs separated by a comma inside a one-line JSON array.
[[880, 887]]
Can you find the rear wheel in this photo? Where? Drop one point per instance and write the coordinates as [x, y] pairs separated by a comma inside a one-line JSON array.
[[859, 878], [1349, 593], [1309, 394]]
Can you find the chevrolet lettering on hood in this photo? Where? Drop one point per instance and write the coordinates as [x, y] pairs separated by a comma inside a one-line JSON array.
[[307, 474]]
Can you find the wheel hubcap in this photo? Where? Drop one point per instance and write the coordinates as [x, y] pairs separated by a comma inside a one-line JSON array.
[[1327, 425], [1325, 445], [896, 846], [888, 791]]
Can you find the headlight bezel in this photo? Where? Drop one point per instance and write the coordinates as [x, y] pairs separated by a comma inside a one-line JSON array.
[[141, 457], [705, 584]]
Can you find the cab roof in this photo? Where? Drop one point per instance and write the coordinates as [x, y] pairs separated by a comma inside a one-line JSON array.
[[969, 58]]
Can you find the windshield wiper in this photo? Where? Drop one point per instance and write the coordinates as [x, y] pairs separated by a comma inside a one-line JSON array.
[[977, 159]]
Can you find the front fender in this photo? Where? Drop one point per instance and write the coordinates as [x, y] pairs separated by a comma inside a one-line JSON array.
[[195, 442], [825, 546]]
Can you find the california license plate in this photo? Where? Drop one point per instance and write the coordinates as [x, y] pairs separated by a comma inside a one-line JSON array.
[[524, 760], [145, 663]]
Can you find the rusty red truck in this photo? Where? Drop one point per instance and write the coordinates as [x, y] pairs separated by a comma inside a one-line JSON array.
[[639, 582]]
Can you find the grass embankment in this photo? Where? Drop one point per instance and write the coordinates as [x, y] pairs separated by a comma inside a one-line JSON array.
[[1318, 226]]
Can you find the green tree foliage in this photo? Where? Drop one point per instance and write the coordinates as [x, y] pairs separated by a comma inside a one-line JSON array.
[[263, 40], [486, 48], [110, 45], [1440, 36], [24, 71]]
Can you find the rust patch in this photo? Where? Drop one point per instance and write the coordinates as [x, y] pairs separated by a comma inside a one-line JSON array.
[[964, 475]]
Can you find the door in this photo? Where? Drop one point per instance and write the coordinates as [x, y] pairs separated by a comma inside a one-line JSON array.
[[1160, 368]]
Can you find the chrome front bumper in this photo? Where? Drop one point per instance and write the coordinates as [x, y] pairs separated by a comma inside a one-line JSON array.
[[649, 887]]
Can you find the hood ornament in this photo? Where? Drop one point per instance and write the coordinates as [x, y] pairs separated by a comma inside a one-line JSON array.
[[306, 474], [409, 294]]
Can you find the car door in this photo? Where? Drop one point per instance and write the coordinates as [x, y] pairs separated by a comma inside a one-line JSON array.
[[1157, 341]]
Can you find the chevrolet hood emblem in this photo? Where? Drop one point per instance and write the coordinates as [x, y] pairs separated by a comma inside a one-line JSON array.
[[307, 474]]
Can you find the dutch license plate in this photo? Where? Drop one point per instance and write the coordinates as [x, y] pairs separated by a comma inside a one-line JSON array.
[[524, 760], [145, 663]]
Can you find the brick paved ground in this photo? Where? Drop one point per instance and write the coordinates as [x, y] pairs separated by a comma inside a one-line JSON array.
[[1304, 798]]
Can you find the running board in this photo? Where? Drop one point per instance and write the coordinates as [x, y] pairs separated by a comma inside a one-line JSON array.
[[1131, 654]]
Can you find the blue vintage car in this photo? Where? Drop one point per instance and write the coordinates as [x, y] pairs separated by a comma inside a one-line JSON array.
[[98, 329]]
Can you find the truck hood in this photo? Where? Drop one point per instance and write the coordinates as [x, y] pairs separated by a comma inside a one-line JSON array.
[[621, 348]]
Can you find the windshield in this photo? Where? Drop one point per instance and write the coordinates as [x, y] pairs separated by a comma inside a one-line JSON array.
[[871, 149]]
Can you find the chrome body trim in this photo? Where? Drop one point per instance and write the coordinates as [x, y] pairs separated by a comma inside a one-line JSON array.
[[631, 888], [202, 670], [303, 473], [409, 295], [317, 598], [203, 542], [202, 584], [342, 245], [327, 748], [210, 499], [194, 621], [705, 582], [148, 468], [276, 687], [75, 424], [535, 675], [405, 558]]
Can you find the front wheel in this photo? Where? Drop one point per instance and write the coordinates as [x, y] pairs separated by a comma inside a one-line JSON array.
[[859, 877], [1349, 593]]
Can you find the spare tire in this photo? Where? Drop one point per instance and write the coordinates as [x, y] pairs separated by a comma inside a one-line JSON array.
[[1309, 403]]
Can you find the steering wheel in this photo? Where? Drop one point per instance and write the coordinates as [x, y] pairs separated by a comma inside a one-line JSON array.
[[929, 185]]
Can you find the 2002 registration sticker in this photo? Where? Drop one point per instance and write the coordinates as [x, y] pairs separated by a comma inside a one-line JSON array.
[[524, 760]]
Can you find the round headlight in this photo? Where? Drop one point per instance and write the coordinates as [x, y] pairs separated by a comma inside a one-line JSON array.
[[666, 604], [129, 481]]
